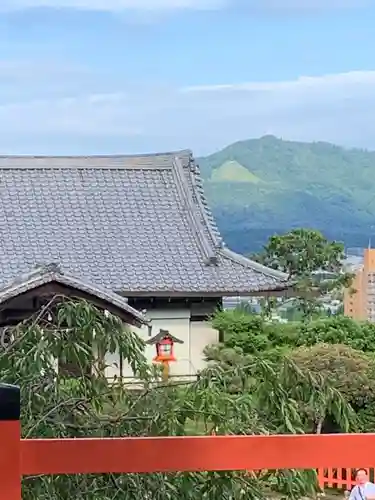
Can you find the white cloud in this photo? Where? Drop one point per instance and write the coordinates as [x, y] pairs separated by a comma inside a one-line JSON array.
[[301, 83], [128, 118], [302, 5], [156, 5], [113, 5], [103, 115]]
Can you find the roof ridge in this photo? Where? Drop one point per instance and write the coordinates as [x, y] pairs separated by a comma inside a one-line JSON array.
[[99, 156], [207, 215], [206, 247], [152, 161]]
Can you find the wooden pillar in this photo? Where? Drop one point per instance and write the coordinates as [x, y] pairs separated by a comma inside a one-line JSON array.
[[10, 443], [166, 371]]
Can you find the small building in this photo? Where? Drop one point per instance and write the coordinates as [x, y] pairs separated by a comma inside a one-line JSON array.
[[138, 228], [41, 290], [359, 299]]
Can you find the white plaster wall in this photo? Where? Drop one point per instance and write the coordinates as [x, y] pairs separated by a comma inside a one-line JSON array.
[[202, 335], [195, 335], [113, 365]]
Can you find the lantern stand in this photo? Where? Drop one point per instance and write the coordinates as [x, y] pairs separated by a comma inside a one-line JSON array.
[[164, 343]]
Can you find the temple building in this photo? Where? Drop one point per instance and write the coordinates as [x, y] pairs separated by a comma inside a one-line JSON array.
[[134, 231]]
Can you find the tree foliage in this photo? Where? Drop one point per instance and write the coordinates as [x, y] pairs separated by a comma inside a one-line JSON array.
[[302, 252], [312, 262], [255, 334], [246, 395], [350, 371], [336, 350]]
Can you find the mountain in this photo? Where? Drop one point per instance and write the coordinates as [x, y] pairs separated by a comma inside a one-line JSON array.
[[264, 186]]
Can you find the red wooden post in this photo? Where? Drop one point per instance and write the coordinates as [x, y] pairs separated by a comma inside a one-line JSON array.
[[10, 443], [339, 482], [321, 478]]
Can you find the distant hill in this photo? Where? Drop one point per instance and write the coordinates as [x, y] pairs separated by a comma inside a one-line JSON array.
[[262, 186]]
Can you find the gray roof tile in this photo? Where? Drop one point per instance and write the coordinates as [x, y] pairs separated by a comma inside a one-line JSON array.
[[133, 224]]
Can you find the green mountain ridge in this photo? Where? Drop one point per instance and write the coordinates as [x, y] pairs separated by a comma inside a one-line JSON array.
[[262, 186]]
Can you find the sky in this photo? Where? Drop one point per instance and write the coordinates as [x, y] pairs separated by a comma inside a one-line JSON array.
[[133, 76]]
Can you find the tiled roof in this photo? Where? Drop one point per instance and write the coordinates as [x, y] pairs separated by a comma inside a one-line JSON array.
[[42, 276], [139, 225]]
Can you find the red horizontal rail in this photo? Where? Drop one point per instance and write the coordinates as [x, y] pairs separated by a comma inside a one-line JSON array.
[[168, 454]]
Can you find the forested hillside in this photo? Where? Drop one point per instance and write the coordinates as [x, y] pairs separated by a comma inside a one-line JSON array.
[[262, 186]]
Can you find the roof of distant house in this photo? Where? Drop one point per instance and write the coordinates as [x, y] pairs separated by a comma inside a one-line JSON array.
[[137, 225], [39, 277]]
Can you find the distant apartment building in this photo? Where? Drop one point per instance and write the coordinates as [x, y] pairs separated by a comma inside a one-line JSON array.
[[359, 301]]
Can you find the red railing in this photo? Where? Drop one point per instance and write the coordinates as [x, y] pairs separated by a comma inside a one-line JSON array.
[[170, 454], [336, 478], [339, 478]]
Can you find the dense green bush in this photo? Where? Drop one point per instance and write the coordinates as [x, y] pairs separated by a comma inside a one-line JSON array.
[[253, 334], [337, 349], [350, 371]]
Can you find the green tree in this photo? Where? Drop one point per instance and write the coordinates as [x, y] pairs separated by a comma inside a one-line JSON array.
[[249, 341], [338, 350], [311, 261], [253, 334], [350, 371], [249, 396]]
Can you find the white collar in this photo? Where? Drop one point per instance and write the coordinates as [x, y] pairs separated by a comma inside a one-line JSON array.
[[364, 484]]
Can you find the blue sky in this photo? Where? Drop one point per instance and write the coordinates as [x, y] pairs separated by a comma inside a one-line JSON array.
[[125, 76]]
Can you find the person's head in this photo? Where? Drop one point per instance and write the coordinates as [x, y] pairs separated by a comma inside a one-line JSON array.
[[361, 476]]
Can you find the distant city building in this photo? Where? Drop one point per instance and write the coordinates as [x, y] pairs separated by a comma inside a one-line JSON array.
[[251, 303], [355, 252], [353, 261], [359, 300]]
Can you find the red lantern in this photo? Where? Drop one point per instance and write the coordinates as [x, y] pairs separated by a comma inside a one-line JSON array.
[[164, 350], [164, 343]]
